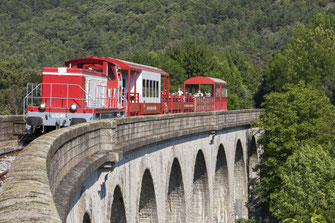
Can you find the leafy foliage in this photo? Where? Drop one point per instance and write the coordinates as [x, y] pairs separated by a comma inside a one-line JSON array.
[[307, 181], [13, 78], [310, 57], [316, 218], [49, 32], [298, 116], [243, 220]]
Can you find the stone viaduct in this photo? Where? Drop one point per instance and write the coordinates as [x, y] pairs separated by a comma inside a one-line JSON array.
[[191, 167]]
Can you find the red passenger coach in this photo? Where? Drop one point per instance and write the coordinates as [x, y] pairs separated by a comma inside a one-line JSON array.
[[94, 88], [214, 96]]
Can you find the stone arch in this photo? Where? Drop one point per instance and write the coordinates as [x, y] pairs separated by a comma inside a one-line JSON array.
[[86, 218], [221, 188], [118, 212], [240, 186], [200, 199], [147, 211], [175, 201]]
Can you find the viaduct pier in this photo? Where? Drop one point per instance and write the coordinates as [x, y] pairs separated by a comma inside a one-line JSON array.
[[191, 167]]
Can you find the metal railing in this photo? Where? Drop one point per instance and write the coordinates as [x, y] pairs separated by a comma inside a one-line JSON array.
[[101, 97]]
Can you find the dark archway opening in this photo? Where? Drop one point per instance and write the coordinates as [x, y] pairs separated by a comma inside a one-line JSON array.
[[221, 188], [147, 207], [175, 202], [240, 187], [86, 218], [200, 198], [118, 213]]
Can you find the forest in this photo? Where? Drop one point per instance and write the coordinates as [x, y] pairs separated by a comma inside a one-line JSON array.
[[278, 55]]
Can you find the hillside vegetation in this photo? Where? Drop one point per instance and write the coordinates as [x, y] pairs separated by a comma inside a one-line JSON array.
[[229, 39], [48, 32]]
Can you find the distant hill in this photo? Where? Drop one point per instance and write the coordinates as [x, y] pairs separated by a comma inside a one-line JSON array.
[[48, 32]]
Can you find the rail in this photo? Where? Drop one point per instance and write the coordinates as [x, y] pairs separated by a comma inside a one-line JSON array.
[[181, 104], [103, 97]]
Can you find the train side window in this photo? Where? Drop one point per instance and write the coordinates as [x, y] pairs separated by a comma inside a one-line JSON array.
[[155, 87], [217, 90], [148, 88], [151, 89], [157, 90], [224, 91], [144, 88]]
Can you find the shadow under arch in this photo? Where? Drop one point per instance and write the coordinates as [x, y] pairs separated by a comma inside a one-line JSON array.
[[86, 218], [175, 201], [221, 197], [118, 212], [200, 199], [147, 211], [240, 185]]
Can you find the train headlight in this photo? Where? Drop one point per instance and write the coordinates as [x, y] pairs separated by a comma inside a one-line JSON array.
[[43, 106], [73, 107]]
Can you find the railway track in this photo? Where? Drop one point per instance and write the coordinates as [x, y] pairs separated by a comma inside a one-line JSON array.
[[12, 152], [7, 155], [3, 156]]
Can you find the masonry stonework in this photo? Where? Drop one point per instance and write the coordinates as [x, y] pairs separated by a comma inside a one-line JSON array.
[[170, 168]]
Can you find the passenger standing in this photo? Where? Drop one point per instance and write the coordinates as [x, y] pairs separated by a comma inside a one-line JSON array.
[[180, 92]]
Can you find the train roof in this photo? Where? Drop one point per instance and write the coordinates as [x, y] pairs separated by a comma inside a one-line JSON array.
[[126, 65], [204, 80]]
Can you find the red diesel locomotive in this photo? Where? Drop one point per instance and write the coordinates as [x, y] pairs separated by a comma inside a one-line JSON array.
[[95, 88]]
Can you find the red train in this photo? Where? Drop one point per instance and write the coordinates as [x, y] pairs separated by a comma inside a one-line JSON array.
[[95, 88]]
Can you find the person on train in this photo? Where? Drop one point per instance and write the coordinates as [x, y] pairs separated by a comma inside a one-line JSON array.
[[199, 94], [180, 92]]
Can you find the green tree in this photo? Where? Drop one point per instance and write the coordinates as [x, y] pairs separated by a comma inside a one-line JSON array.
[[316, 218], [310, 56], [307, 181], [297, 116], [13, 79], [196, 59]]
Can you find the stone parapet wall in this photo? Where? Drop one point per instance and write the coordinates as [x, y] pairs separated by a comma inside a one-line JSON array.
[[11, 127], [45, 177]]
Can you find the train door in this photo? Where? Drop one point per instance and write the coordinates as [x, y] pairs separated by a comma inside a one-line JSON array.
[[120, 84], [96, 89]]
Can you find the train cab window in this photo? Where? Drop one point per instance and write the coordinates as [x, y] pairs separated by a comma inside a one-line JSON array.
[[111, 73], [98, 67]]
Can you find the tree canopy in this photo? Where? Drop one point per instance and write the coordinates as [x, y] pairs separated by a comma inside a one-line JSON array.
[[309, 57], [298, 116], [307, 182], [48, 32], [14, 75]]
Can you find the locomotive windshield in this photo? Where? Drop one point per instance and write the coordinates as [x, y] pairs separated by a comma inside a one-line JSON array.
[[98, 67]]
